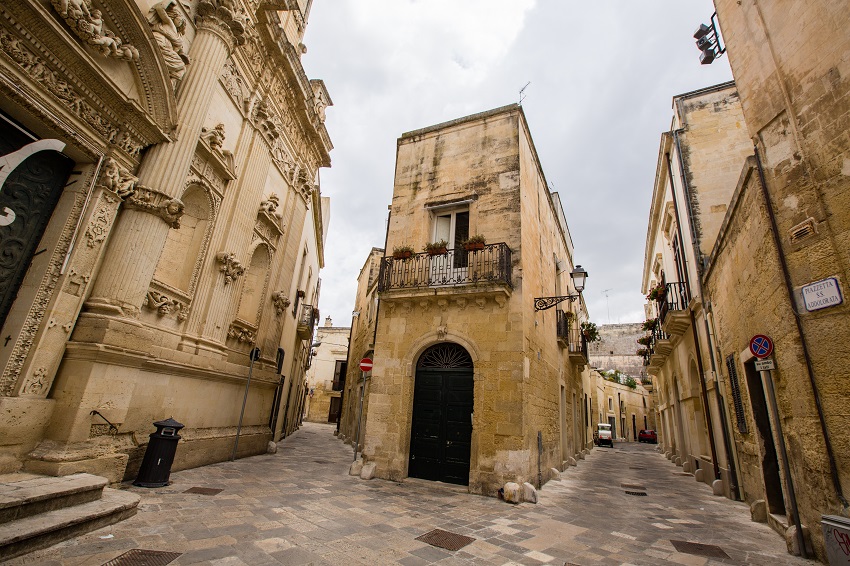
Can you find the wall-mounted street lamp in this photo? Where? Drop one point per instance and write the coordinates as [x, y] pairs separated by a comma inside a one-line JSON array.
[[579, 276], [708, 41]]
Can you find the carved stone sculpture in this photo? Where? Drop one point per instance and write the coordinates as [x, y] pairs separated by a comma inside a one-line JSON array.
[[156, 203], [230, 266], [87, 24], [168, 27], [270, 204], [280, 302], [214, 137], [117, 179]]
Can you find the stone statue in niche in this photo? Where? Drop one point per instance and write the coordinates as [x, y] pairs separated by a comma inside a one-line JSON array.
[[88, 25], [171, 210], [168, 27], [214, 137]]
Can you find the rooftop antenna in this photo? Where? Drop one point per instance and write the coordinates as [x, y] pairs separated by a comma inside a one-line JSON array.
[[522, 92], [608, 306]]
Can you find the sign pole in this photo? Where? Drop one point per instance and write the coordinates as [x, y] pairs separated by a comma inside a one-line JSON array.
[[254, 356], [767, 380], [359, 413]]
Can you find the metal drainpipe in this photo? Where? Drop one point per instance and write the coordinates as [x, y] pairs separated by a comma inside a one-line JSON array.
[[730, 457], [700, 369], [789, 287]]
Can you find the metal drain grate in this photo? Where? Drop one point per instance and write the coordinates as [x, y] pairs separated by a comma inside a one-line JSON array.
[[633, 486], [445, 539], [636, 468], [698, 549], [321, 461], [642, 493], [204, 490], [139, 557]]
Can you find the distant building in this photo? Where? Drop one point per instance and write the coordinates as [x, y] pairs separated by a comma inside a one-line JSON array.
[[617, 349], [326, 376], [470, 384], [627, 409]]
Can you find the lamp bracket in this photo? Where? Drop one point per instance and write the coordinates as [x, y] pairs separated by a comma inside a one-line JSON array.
[[543, 303]]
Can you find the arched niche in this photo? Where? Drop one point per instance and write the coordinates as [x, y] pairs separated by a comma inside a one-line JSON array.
[[185, 246], [251, 298]]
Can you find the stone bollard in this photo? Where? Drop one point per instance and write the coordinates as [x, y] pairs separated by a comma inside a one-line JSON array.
[[271, 447], [677, 461], [529, 493], [794, 545], [554, 474], [686, 467], [572, 461], [356, 468], [586, 452], [580, 456], [368, 471], [717, 487], [758, 511], [699, 475], [513, 493]]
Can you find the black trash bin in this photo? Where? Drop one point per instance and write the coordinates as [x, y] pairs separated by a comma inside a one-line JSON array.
[[156, 465]]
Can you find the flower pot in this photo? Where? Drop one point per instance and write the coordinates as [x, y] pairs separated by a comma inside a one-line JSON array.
[[473, 247]]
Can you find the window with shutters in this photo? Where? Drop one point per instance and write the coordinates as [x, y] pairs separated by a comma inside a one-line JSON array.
[[735, 386], [339, 375]]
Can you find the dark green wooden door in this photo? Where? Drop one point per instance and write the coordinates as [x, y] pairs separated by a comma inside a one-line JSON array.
[[441, 431], [27, 200]]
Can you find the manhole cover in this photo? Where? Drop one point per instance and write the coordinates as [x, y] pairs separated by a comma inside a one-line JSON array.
[[633, 486], [139, 557], [698, 549], [204, 490], [641, 493], [445, 539]]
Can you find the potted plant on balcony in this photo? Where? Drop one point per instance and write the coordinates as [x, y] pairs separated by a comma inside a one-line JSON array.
[[650, 324], [642, 352], [590, 332], [474, 243], [439, 247], [402, 252], [656, 293], [644, 340]]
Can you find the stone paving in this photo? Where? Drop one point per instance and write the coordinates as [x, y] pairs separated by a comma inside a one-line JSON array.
[[300, 507]]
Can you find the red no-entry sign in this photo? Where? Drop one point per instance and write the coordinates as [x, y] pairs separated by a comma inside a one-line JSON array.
[[366, 364]]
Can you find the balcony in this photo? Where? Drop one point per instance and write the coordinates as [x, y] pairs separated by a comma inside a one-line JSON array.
[[455, 268], [307, 317], [570, 336], [660, 346], [673, 313]]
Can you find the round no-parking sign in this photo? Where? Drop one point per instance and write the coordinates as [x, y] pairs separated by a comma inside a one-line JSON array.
[[761, 346]]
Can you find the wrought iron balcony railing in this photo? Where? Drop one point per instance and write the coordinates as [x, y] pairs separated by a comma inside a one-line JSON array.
[[492, 264], [675, 298], [570, 335], [306, 321]]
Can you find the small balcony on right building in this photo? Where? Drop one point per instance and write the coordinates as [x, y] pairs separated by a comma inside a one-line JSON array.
[[673, 308]]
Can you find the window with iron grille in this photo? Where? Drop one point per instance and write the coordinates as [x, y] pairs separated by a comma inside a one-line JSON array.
[[736, 394]]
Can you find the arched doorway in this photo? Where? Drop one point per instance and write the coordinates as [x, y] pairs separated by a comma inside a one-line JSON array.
[[441, 429]]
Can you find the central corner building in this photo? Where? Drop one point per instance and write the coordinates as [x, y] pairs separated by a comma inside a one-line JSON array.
[[470, 384]]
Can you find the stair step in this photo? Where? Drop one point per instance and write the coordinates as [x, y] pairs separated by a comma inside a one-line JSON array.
[[46, 529], [40, 494]]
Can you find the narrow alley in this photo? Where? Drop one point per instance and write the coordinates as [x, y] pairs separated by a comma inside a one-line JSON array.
[[299, 507]]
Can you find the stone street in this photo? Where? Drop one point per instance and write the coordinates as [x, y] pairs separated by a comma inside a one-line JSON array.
[[300, 506]]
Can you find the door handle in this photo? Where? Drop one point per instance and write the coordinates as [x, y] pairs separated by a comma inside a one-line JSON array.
[[448, 442]]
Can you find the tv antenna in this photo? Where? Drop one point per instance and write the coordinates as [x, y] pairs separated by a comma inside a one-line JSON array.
[[522, 94], [607, 306]]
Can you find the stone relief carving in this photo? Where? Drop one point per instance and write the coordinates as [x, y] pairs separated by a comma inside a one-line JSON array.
[[214, 136], [65, 93], [36, 384], [280, 302], [442, 330], [117, 179], [87, 24], [230, 266], [241, 334], [234, 84], [168, 26], [270, 204], [156, 203], [165, 305]]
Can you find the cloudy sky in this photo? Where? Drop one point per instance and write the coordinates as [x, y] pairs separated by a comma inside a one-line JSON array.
[[602, 76]]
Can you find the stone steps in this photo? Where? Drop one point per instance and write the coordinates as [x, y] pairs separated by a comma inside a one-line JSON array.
[[39, 511]]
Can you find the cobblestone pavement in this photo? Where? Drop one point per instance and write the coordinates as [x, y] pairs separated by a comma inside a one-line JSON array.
[[299, 506]]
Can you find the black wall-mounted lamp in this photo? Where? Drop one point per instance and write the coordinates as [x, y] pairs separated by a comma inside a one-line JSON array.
[[579, 276]]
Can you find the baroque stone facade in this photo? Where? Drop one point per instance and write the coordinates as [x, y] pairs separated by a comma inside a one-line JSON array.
[[148, 276], [470, 384]]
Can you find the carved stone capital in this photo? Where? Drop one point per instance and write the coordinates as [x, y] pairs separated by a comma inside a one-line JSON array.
[[156, 203], [230, 266], [165, 305], [222, 17], [241, 333], [117, 179]]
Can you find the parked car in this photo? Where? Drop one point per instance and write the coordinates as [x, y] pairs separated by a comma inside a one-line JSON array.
[[648, 436], [603, 435]]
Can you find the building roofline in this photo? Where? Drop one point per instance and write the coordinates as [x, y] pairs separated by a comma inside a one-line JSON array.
[[464, 119], [704, 90]]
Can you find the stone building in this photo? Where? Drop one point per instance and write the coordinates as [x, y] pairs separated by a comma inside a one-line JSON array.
[[617, 349], [362, 345], [470, 384], [628, 410], [326, 375], [781, 261], [161, 218], [697, 165]]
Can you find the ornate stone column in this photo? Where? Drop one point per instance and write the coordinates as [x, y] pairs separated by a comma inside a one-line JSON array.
[[142, 229]]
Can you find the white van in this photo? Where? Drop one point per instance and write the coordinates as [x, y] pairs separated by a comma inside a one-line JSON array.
[[603, 435]]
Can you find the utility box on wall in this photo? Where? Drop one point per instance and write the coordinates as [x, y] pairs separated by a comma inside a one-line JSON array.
[[836, 539]]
